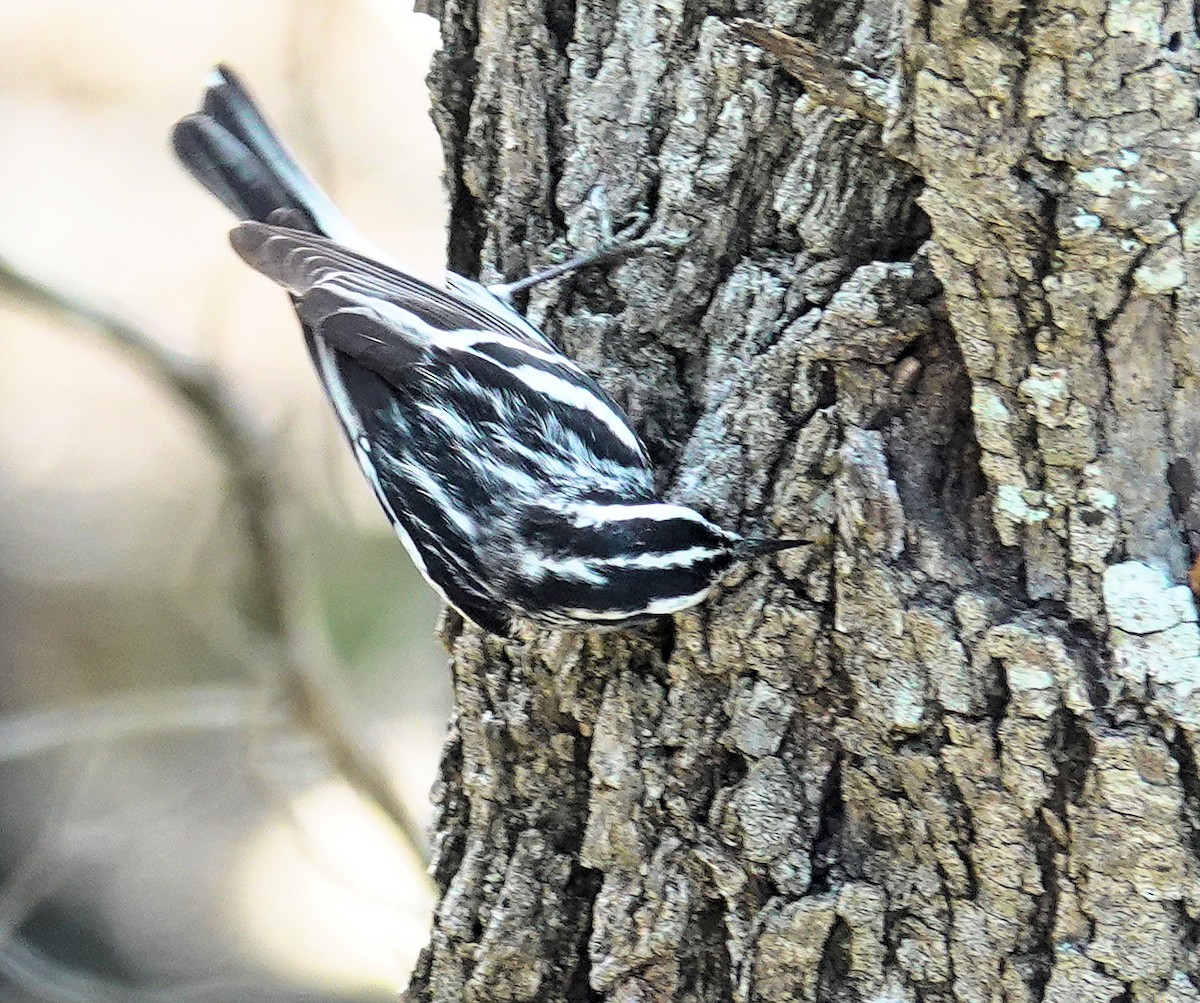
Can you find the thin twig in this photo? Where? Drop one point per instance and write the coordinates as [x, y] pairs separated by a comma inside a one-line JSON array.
[[235, 438], [38, 872], [206, 395], [832, 80], [129, 715], [43, 978]]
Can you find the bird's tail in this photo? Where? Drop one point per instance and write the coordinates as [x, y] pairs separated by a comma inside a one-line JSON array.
[[230, 149]]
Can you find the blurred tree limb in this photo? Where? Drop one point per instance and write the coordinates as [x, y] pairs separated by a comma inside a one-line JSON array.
[[305, 689], [130, 715]]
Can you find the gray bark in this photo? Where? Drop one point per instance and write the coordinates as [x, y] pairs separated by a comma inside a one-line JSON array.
[[947, 750]]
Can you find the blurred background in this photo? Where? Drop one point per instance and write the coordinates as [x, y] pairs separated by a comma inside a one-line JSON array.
[[176, 821]]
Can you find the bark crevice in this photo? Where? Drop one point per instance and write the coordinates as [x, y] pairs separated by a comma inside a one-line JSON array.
[[945, 749]]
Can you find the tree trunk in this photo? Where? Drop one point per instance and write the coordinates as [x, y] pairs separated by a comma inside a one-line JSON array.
[[947, 750]]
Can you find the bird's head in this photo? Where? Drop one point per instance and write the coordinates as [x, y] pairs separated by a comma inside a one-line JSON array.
[[604, 564]]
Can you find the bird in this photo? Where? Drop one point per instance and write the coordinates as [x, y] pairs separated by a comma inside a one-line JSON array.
[[519, 488]]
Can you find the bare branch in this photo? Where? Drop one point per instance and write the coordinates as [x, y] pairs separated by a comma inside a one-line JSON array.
[[128, 715], [43, 978], [307, 691], [39, 870], [832, 80]]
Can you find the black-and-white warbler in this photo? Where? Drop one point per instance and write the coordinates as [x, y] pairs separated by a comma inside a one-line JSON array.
[[516, 484]]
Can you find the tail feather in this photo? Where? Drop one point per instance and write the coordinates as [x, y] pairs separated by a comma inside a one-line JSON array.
[[229, 148], [231, 171]]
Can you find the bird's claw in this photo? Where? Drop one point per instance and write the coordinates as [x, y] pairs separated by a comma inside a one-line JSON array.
[[631, 239]]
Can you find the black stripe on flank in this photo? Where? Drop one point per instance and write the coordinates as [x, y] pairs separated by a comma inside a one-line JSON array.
[[555, 534], [460, 590], [396, 440], [452, 570], [628, 591]]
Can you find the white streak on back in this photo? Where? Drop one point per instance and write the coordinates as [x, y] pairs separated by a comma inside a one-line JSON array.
[[429, 486], [453, 422], [413, 329], [664, 559], [587, 514], [536, 568], [561, 390]]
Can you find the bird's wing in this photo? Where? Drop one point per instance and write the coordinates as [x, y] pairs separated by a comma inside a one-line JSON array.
[[302, 262], [415, 336], [496, 308], [457, 419]]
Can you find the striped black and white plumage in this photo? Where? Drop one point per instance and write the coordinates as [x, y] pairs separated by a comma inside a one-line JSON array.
[[516, 484]]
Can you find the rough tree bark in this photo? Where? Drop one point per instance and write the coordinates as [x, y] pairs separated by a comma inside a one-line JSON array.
[[946, 751]]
